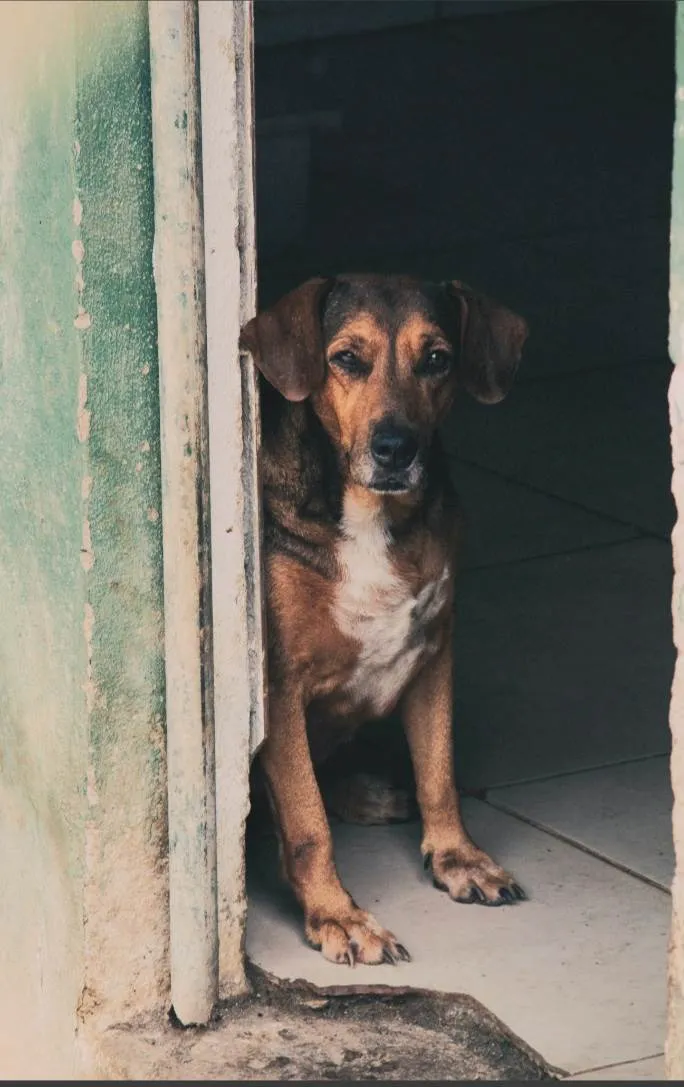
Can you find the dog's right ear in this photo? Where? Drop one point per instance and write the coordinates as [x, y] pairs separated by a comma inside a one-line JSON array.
[[286, 341], [492, 339]]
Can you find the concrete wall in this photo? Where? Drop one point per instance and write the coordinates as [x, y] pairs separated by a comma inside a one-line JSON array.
[[82, 768]]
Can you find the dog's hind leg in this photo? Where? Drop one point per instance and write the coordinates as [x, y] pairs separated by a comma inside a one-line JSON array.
[[369, 780], [368, 799]]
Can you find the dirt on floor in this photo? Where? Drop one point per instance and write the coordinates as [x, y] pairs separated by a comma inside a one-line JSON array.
[[296, 1031]]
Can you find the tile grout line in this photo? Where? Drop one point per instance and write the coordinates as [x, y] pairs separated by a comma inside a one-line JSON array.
[[603, 545], [643, 532], [559, 836], [572, 773], [615, 1064]]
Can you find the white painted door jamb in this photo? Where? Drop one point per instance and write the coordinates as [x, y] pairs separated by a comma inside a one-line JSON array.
[[205, 278], [179, 277], [225, 30]]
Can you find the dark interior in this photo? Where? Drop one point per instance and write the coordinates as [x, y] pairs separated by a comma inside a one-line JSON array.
[[526, 149]]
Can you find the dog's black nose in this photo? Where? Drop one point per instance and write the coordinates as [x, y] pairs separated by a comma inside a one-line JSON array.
[[393, 445]]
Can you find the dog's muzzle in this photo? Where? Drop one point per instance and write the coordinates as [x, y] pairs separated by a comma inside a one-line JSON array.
[[394, 449]]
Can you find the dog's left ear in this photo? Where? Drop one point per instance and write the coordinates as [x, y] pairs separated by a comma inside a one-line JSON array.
[[492, 339], [286, 341]]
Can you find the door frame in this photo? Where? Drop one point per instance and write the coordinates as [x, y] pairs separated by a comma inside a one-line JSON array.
[[205, 273], [202, 70]]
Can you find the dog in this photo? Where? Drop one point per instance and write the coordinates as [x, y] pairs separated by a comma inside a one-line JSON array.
[[360, 536]]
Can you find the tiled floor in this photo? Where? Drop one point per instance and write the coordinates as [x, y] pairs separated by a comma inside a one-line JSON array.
[[620, 813], [578, 971], [563, 642], [598, 439], [564, 660]]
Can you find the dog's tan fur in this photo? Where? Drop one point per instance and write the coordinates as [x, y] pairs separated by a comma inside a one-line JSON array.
[[360, 563]]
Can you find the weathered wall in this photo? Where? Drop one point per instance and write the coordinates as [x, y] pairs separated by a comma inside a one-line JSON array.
[[126, 905], [42, 647], [675, 1038], [83, 893]]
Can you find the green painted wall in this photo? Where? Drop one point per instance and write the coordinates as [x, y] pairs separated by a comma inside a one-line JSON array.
[[83, 893]]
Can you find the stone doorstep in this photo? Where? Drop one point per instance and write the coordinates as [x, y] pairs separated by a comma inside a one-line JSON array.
[[297, 1031]]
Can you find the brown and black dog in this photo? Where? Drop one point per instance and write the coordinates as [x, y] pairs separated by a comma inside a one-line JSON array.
[[360, 542]]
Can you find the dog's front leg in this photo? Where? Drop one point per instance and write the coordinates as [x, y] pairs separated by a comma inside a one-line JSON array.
[[458, 865], [333, 922]]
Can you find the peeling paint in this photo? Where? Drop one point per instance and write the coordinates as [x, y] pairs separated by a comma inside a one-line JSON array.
[[88, 627], [88, 687], [91, 788], [83, 415], [87, 556]]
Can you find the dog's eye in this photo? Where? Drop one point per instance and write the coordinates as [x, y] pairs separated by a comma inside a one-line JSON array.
[[436, 361], [350, 363]]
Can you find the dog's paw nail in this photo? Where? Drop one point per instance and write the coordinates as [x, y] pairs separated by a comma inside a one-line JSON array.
[[388, 957], [438, 885], [474, 895], [505, 895], [350, 955], [403, 953], [518, 892], [427, 861]]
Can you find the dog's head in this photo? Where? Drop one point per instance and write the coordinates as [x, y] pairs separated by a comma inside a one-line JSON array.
[[381, 358]]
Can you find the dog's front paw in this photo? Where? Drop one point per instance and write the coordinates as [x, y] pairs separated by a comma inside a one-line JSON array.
[[469, 875], [352, 936]]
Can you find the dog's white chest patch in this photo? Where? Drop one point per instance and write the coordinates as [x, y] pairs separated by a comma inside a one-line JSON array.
[[377, 608]]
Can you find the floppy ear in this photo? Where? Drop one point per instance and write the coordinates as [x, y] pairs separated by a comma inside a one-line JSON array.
[[492, 339], [286, 341]]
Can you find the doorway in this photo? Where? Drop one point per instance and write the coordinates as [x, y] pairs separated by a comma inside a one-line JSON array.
[[527, 149]]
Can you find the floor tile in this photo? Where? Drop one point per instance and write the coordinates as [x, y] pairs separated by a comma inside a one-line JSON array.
[[650, 1068], [505, 522], [563, 663], [599, 438], [623, 812], [574, 971]]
